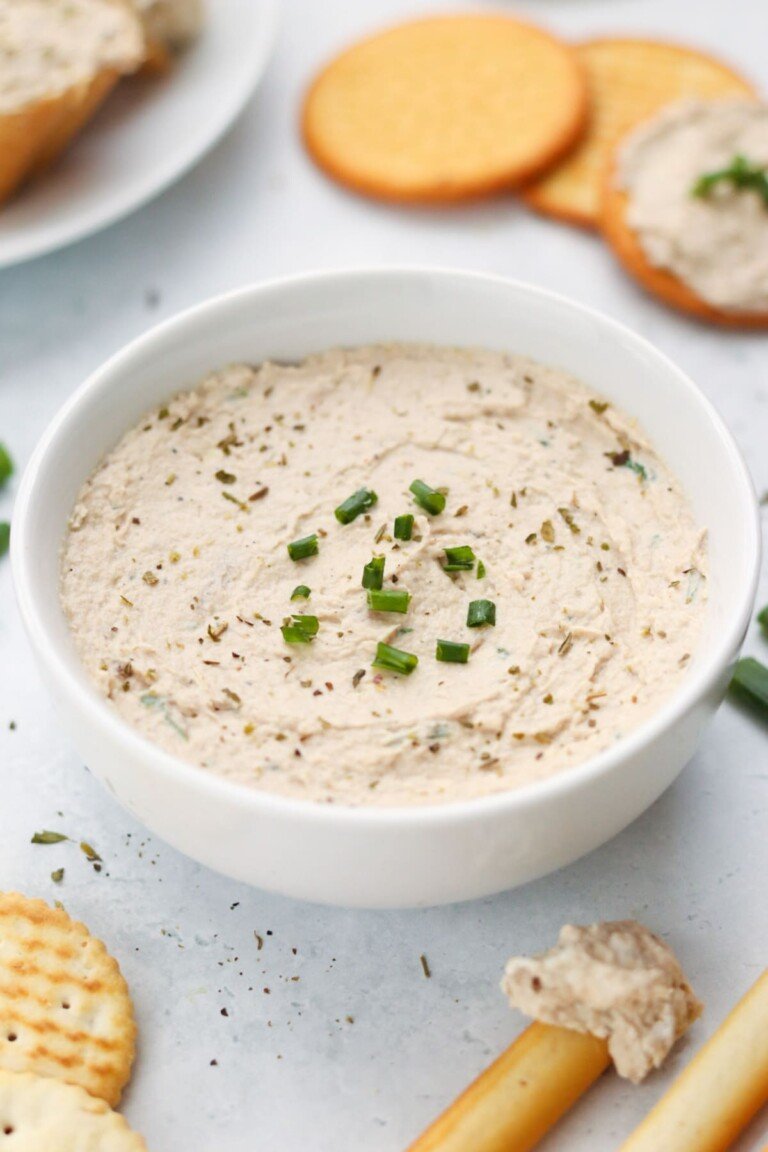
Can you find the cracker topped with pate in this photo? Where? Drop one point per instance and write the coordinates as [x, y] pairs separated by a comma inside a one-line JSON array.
[[386, 575]]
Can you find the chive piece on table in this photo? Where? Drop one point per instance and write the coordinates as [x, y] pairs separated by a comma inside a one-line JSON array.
[[428, 498], [301, 549], [354, 505], [48, 838], [403, 527], [301, 592], [394, 660], [373, 573], [388, 600], [762, 619], [480, 570], [461, 559], [6, 464], [5, 537], [750, 678], [299, 629], [480, 613], [451, 653]]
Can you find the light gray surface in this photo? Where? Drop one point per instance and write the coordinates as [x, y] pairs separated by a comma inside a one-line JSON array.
[[292, 1071]]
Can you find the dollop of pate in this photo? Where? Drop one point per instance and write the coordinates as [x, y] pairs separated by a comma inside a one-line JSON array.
[[717, 244], [617, 981], [176, 577], [47, 46]]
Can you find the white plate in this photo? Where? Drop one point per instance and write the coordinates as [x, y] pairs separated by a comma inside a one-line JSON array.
[[149, 133]]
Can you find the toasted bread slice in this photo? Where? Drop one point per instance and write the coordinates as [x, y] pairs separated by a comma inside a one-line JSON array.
[[60, 60]]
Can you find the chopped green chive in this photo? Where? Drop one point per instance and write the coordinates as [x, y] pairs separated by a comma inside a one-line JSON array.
[[404, 527], [481, 613], [427, 498], [461, 559], [762, 617], [389, 600], [299, 629], [354, 505], [301, 549], [301, 592], [6, 464], [451, 653], [373, 573], [480, 570], [740, 174], [394, 660], [5, 537], [750, 678]]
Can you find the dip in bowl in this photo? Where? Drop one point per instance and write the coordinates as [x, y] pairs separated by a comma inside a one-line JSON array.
[[610, 564]]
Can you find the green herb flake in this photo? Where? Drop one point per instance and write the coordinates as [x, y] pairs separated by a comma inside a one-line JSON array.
[[481, 614], [57, 876], [762, 619], [6, 464], [740, 174], [355, 505], [388, 600], [373, 573], [403, 527], [624, 460], [225, 477], [750, 679], [567, 515], [304, 548], [481, 573], [394, 659], [5, 537], [599, 406], [460, 559], [430, 499], [48, 838], [548, 532], [301, 592], [300, 629], [451, 653], [89, 852]]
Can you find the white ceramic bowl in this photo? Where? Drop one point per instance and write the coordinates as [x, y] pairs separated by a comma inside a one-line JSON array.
[[389, 857]]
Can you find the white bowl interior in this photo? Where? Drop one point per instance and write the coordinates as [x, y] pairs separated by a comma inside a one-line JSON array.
[[290, 319]]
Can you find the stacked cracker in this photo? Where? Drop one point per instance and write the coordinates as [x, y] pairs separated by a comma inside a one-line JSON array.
[[60, 59], [450, 108], [67, 1035]]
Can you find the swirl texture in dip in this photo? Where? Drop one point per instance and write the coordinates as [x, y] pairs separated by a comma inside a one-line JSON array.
[[176, 576]]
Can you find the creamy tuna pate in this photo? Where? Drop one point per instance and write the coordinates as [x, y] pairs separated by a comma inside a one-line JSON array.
[[617, 981], [697, 185], [386, 575]]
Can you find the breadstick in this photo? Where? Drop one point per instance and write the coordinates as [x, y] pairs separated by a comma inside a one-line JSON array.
[[521, 1096], [723, 1087]]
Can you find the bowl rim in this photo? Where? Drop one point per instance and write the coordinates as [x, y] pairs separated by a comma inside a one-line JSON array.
[[95, 711]]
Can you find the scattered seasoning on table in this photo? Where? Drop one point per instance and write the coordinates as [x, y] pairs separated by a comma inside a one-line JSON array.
[[425, 966], [48, 838], [57, 876]]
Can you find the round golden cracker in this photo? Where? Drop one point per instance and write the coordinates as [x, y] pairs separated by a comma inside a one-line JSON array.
[[664, 285], [38, 1114], [65, 1011], [446, 108], [629, 81]]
